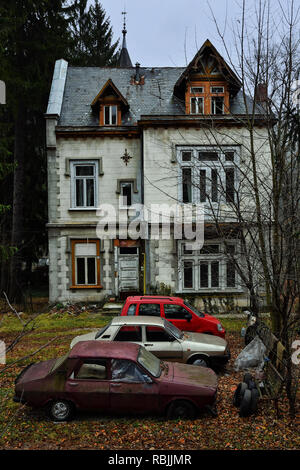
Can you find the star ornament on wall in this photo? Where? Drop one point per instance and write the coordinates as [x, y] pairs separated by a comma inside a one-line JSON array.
[[126, 157]]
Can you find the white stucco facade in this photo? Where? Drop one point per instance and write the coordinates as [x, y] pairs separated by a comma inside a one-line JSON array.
[[149, 161]]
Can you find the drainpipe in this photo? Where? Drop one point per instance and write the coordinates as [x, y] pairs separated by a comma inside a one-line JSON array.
[[147, 247]]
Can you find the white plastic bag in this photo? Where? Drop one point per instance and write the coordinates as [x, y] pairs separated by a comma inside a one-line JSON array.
[[252, 356]]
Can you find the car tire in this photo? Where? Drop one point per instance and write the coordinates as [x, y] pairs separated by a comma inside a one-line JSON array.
[[245, 405], [254, 400], [61, 410], [181, 409], [239, 393], [252, 385], [200, 361]]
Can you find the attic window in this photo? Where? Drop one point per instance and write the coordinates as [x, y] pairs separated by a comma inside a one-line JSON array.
[[217, 89], [110, 115], [217, 105], [207, 98], [217, 99], [197, 105], [111, 104], [198, 89]]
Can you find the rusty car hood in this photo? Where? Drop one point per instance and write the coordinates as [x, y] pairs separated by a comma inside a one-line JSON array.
[[36, 371], [192, 375]]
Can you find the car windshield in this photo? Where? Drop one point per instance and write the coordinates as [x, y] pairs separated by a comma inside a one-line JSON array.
[[200, 314], [101, 331], [173, 330], [59, 361], [151, 363]]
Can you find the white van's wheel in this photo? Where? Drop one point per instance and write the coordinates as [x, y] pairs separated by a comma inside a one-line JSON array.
[[200, 361]]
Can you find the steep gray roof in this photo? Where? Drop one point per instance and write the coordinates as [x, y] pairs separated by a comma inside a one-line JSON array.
[[155, 97]]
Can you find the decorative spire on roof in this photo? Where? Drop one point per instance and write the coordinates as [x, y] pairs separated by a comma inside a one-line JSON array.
[[124, 60]]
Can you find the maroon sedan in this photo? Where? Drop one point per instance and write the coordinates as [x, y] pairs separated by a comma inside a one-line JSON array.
[[115, 377]]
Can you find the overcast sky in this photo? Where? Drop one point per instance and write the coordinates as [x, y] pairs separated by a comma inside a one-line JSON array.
[[169, 32]]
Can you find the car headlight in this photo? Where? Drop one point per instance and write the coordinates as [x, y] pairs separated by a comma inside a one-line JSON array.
[[219, 327]]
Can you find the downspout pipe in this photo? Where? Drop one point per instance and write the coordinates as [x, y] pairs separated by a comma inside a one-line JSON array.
[[147, 242]]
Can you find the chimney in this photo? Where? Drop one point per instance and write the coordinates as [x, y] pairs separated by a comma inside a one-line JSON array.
[[137, 72], [137, 79], [262, 93]]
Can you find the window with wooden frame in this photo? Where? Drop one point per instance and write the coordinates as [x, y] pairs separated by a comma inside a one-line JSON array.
[[217, 99], [84, 184], [197, 100], [85, 264], [110, 115], [205, 98], [110, 103]]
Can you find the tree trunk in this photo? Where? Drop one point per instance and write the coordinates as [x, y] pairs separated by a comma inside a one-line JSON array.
[[15, 280]]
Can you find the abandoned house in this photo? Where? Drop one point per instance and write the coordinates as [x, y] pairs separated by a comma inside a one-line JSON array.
[[128, 135]]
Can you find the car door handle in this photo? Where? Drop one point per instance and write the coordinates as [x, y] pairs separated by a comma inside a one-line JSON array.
[[116, 385], [148, 344], [73, 384]]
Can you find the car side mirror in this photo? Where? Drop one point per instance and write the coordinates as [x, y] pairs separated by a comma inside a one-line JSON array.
[[188, 316]]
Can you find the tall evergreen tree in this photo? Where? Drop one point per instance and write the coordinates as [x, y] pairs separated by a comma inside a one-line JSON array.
[[32, 35], [92, 33]]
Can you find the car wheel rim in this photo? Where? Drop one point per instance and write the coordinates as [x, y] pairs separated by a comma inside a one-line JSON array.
[[60, 410], [181, 412], [199, 362]]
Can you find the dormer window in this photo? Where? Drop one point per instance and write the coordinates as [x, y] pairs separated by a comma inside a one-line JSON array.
[[110, 104], [217, 105], [197, 100], [197, 105], [207, 84], [110, 115], [207, 98], [217, 99], [197, 89], [217, 89]]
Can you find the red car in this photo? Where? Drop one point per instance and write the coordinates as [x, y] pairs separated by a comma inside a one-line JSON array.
[[115, 377], [176, 310]]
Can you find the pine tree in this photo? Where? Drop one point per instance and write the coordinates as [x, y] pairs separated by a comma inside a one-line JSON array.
[[93, 34], [32, 35]]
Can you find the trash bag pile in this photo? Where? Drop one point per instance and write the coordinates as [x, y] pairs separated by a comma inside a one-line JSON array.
[[252, 356]]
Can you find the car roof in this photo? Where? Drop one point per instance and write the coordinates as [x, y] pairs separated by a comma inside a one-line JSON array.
[[147, 298], [138, 320], [115, 349]]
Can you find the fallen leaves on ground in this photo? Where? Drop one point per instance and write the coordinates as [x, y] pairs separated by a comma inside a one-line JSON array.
[[24, 428]]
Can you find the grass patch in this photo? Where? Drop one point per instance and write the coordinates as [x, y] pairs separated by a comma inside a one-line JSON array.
[[54, 321]]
